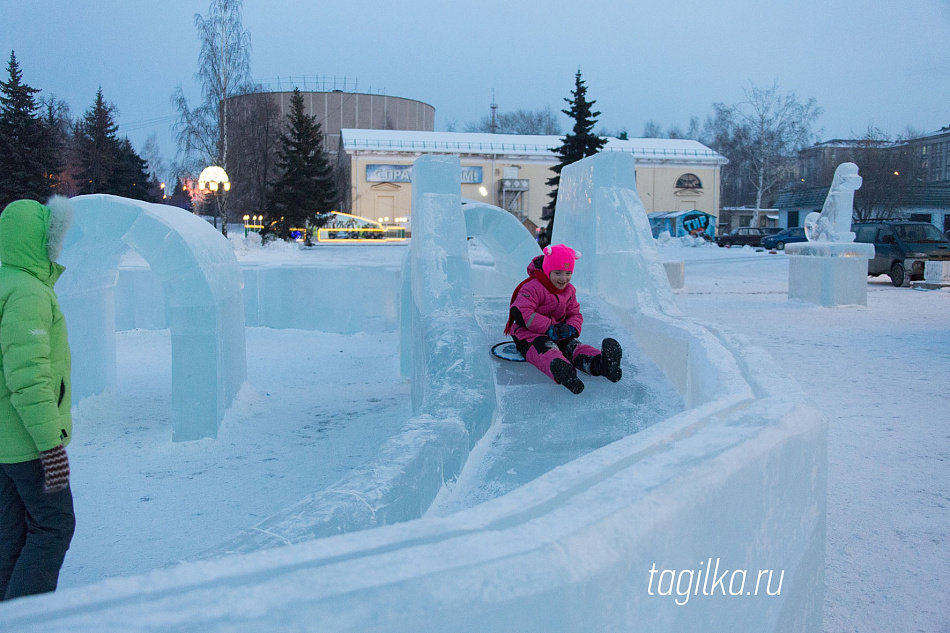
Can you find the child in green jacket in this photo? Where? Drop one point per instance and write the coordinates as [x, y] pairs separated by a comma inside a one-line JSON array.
[[36, 504]]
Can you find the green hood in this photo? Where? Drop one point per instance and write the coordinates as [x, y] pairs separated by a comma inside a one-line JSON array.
[[24, 240]]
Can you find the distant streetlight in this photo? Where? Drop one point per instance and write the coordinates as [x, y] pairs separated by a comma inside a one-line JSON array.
[[214, 181]]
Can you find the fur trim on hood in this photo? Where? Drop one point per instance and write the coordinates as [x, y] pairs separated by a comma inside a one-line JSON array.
[[61, 218]]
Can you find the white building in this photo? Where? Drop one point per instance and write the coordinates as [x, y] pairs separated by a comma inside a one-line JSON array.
[[511, 171]]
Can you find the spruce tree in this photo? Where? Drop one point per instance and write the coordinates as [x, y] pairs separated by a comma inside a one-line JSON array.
[[306, 189], [180, 197], [579, 143], [59, 126], [26, 155], [96, 147], [129, 177]]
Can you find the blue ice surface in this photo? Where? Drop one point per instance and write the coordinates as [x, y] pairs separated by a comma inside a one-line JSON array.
[[541, 425]]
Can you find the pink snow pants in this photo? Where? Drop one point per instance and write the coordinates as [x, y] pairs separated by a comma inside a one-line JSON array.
[[571, 350]]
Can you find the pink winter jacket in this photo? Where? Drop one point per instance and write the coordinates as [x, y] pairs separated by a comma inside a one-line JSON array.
[[535, 308]]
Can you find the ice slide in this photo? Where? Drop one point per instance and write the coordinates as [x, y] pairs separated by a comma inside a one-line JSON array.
[[736, 478]]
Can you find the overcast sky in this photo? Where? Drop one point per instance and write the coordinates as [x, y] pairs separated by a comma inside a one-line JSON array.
[[884, 63]]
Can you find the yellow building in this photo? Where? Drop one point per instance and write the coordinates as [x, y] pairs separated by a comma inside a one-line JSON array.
[[511, 171]]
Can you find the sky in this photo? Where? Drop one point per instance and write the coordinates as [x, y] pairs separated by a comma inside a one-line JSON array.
[[866, 62]]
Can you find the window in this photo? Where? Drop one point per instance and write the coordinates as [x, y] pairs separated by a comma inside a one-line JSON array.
[[866, 234], [689, 181]]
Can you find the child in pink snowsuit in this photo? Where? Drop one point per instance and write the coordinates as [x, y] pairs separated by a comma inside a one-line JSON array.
[[545, 320]]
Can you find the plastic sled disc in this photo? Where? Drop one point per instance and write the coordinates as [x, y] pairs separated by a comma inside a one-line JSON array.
[[506, 350]]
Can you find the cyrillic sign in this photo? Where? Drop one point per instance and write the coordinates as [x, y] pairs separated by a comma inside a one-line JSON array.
[[403, 173]]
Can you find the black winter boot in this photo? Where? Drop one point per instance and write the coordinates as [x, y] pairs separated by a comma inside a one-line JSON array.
[[607, 364], [565, 374]]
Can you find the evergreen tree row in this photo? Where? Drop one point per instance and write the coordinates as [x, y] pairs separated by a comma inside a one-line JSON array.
[[43, 152]]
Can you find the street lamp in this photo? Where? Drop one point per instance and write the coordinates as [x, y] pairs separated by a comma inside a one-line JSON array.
[[214, 181]]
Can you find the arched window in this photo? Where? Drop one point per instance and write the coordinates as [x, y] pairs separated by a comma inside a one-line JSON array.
[[689, 181]]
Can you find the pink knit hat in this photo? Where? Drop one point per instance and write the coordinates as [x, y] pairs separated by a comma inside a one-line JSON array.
[[558, 257]]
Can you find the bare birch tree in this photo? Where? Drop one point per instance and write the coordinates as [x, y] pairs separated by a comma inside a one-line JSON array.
[[224, 70], [773, 127]]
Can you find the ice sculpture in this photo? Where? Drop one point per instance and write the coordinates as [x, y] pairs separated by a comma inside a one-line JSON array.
[[739, 478], [203, 303], [831, 268], [833, 224]]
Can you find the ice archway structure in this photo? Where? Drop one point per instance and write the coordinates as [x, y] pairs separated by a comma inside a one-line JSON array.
[[202, 285]]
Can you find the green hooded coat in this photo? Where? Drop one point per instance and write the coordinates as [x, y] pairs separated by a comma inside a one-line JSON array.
[[35, 394]]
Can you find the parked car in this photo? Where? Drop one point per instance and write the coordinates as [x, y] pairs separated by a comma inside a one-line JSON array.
[[742, 235], [788, 236], [901, 247]]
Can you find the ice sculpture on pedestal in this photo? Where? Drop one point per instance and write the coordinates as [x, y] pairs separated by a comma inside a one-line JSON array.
[[830, 268], [203, 303], [833, 224]]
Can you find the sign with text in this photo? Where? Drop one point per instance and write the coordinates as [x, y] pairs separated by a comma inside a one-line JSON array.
[[403, 173]]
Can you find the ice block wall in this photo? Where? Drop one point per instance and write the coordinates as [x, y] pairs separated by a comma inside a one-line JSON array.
[[204, 309]]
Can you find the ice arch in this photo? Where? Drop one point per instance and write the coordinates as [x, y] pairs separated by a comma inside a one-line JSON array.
[[204, 308], [510, 244]]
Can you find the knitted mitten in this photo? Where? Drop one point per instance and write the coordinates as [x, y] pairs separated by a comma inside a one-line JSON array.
[[55, 469]]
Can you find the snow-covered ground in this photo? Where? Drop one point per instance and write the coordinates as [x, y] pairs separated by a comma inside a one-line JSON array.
[[317, 404], [880, 374]]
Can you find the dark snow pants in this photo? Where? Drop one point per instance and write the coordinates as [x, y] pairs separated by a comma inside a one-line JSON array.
[[35, 531]]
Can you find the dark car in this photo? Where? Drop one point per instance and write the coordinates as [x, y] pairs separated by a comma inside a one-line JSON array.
[[901, 248], [741, 236], [780, 239]]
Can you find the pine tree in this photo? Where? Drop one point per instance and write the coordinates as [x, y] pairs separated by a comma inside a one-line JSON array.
[[580, 143], [129, 177], [96, 147], [306, 188], [26, 155], [180, 197], [59, 127]]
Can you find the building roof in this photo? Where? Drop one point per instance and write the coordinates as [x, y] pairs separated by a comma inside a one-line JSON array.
[[933, 196], [674, 214], [810, 198], [647, 149], [944, 131]]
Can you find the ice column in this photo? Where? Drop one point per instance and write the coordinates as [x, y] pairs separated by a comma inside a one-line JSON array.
[[600, 214], [202, 285], [830, 268], [451, 374]]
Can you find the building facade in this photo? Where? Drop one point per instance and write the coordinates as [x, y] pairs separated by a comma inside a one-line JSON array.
[[336, 110], [511, 171], [920, 168]]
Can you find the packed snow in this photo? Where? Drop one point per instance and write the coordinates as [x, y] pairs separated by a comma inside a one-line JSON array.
[[880, 375]]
